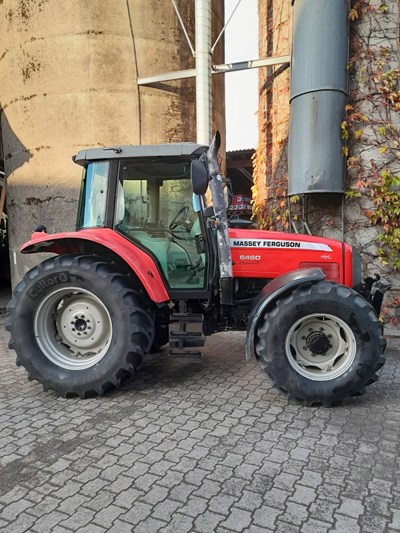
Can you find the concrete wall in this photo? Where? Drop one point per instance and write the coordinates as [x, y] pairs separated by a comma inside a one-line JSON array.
[[67, 81]]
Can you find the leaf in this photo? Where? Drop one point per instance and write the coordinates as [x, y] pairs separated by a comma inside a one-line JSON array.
[[353, 14], [358, 134], [351, 193]]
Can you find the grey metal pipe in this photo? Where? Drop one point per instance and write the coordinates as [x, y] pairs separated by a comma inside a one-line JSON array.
[[318, 90], [203, 70]]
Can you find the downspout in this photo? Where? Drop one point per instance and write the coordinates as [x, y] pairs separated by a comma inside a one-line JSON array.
[[203, 119], [318, 90], [203, 70]]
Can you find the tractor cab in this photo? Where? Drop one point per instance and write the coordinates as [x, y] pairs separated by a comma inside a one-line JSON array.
[[146, 195]]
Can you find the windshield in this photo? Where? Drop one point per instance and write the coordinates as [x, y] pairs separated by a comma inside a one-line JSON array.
[[151, 193], [154, 207]]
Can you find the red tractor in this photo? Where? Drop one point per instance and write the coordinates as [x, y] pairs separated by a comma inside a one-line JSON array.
[[153, 261]]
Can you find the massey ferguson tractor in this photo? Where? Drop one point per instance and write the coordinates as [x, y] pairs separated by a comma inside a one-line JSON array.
[[154, 260]]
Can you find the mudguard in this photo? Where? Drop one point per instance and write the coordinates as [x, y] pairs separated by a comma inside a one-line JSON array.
[[271, 292], [79, 242]]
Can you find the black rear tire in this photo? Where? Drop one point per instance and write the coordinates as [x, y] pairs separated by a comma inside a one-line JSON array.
[[321, 344], [78, 326]]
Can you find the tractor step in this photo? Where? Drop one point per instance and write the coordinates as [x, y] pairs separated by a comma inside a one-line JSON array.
[[183, 335]]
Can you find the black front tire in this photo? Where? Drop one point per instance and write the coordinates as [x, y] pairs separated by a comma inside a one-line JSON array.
[[321, 344], [78, 326]]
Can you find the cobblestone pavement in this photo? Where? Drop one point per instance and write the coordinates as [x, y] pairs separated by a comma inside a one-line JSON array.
[[197, 446]]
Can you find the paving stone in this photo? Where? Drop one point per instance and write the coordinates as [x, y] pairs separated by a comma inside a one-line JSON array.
[[92, 528], [182, 492], [234, 486], [120, 526], [207, 522], [376, 504], [395, 522], [155, 495], [345, 523], [24, 523], [284, 527], [166, 509], [310, 478], [208, 489], [72, 503], [194, 506], [237, 520], [46, 505], [150, 525], [106, 517], [315, 526], [48, 521], [371, 523], [303, 495], [80, 518], [12, 511], [103, 499], [179, 524], [137, 513], [351, 507], [196, 476], [323, 510], [256, 529], [266, 516]]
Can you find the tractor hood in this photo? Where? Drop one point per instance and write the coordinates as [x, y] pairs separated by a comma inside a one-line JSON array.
[[268, 254]]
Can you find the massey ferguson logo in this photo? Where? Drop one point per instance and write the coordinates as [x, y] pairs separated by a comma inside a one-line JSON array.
[[266, 243]]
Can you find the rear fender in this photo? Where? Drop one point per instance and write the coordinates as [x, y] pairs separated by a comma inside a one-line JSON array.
[[271, 292], [103, 241]]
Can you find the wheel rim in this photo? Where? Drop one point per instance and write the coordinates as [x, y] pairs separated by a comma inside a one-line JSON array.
[[73, 328], [320, 347]]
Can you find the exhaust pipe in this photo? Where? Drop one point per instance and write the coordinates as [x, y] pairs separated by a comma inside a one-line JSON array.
[[224, 249]]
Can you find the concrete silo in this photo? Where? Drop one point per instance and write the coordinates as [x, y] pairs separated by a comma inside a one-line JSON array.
[[68, 75]]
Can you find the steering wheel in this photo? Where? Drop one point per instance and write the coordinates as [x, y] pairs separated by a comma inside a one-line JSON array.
[[180, 219]]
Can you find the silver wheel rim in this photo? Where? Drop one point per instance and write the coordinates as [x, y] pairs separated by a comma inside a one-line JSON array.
[[320, 347], [73, 328]]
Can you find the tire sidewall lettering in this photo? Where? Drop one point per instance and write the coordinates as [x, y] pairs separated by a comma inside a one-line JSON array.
[[323, 306], [48, 282], [330, 307]]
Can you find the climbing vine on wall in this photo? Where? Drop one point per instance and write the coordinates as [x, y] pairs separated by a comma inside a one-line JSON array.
[[270, 208], [371, 131], [270, 201]]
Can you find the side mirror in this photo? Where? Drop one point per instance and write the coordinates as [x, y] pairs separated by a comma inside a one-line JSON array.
[[199, 177]]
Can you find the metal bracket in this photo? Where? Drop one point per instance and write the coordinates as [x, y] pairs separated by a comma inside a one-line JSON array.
[[216, 69]]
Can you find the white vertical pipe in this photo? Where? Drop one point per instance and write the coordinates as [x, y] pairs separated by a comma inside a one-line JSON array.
[[203, 70]]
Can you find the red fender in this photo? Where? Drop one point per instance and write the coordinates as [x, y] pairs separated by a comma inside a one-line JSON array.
[[74, 242]]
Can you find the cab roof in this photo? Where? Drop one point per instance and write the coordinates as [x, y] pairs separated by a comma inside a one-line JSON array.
[[84, 157]]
